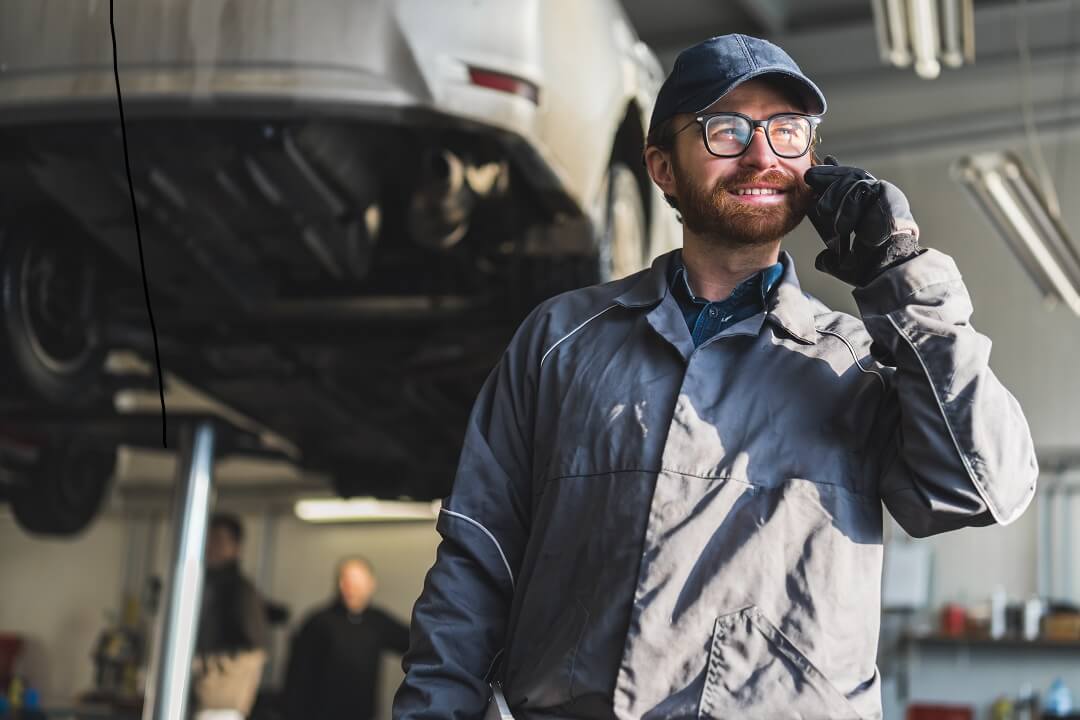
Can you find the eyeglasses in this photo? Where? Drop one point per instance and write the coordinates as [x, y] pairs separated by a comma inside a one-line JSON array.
[[728, 134]]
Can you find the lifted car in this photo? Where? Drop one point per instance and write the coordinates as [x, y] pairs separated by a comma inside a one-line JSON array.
[[346, 207]]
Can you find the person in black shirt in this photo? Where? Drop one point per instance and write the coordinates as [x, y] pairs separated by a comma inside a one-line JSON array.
[[230, 648], [333, 671]]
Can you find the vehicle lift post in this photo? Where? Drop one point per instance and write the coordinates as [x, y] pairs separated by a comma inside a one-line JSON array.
[[167, 692]]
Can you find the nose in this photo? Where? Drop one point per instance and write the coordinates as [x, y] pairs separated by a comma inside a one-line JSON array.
[[759, 154]]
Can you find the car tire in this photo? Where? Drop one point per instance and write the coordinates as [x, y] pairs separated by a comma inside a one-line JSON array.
[[64, 491], [51, 346], [624, 243]]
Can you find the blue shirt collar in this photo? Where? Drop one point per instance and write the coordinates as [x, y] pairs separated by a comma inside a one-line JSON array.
[[763, 282]]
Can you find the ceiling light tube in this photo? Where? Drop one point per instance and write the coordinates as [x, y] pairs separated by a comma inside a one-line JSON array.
[[890, 25], [952, 46], [1006, 192], [924, 37], [926, 33], [335, 510]]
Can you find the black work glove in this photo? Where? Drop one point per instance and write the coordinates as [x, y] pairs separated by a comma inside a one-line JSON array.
[[866, 223]]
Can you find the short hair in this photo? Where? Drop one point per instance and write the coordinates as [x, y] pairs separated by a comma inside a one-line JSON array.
[[353, 559], [230, 523]]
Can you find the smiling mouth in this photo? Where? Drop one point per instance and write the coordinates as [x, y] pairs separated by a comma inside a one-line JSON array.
[[744, 192]]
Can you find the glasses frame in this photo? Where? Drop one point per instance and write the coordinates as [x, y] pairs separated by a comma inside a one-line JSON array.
[[703, 121]]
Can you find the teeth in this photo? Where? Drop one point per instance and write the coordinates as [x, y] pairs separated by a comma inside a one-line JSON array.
[[756, 191]]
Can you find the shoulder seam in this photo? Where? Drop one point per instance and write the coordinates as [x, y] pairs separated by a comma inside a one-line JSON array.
[[567, 335], [491, 537]]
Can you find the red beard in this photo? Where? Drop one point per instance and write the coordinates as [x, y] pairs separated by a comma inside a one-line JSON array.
[[719, 216]]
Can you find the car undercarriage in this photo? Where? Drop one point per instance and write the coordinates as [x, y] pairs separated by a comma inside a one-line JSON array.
[[346, 282]]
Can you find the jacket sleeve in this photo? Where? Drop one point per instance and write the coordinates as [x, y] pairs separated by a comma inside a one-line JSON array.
[[394, 634], [459, 622], [956, 450], [251, 615]]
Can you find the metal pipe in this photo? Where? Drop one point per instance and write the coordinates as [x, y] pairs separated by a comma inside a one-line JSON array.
[[442, 203], [264, 578], [1042, 545], [1066, 542], [1060, 518], [174, 646]]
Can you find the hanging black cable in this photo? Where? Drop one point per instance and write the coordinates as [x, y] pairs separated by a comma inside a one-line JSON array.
[[138, 231]]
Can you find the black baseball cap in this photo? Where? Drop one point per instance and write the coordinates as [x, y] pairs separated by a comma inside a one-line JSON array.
[[709, 70]]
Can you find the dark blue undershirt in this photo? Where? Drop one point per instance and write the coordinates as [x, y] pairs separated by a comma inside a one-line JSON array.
[[705, 319]]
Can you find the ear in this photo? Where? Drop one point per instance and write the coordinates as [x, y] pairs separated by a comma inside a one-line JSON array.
[[658, 163]]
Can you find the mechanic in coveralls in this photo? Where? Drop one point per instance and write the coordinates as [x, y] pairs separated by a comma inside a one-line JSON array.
[[669, 502]]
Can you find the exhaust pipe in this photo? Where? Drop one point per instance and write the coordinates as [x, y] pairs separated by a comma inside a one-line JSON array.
[[442, 203]]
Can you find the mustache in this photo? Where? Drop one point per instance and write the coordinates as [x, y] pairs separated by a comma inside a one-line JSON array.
[[778, 178]]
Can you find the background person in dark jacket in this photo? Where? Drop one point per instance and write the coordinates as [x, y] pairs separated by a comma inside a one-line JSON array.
[[231, 645], [334, 665]]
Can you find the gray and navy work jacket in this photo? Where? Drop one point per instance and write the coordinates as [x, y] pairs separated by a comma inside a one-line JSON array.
[[642, 528]]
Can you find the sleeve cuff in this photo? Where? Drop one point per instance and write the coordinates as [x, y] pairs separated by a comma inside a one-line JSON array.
[[893, 288]]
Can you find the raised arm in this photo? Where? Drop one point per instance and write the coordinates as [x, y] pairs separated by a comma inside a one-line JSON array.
[[959, 451]]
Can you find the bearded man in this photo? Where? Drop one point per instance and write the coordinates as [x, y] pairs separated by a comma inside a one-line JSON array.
[[670, 498]]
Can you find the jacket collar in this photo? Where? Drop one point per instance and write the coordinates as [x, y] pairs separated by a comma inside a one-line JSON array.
[[651, 286], [787, 306]]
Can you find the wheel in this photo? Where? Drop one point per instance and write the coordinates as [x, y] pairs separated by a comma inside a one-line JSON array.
[[51, 338], [624, 244], [64, 491]]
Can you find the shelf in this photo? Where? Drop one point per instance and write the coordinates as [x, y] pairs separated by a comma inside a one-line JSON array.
[[989, 643]]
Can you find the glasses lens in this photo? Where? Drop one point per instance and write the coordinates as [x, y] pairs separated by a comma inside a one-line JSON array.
[[727, 134], [790, 135]]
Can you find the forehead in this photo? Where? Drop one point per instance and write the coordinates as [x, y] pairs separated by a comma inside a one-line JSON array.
[[758, 98], [354, 570]]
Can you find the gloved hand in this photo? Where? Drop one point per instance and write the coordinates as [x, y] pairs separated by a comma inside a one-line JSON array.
[[866, 223]]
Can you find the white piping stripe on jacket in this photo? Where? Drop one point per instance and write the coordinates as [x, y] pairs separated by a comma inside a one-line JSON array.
[[567, 335], [855, 357], [488, 533]]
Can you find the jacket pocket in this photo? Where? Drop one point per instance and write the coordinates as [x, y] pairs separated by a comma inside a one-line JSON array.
[[755, 671]]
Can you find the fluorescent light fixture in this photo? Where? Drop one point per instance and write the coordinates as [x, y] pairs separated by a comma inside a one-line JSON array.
[[924, 37], [926, 33], [1006, 191], [334, 510]]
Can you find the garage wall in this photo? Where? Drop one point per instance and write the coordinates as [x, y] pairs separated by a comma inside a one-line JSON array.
[[56, 593], [293, 562], [303, 576]]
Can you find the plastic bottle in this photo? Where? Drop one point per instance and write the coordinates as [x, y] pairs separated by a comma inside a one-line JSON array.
[[1058, 700], [997, 613], [1033, 612], [15, 692]]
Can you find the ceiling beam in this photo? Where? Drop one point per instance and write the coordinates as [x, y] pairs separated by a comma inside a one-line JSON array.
[[770, 15]]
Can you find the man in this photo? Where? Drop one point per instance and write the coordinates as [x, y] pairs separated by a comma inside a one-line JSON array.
[[230, 650], [669, 502], [333, 670]]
